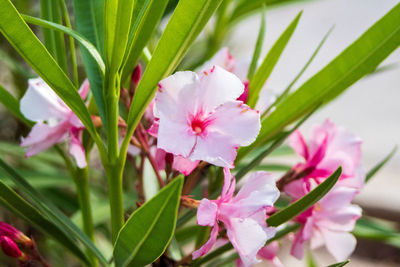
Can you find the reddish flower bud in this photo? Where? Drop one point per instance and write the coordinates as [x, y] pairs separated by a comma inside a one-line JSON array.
[[9, 247], [14, 234], [137, 73]]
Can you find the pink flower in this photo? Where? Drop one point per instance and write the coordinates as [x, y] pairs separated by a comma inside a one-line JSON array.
[[200, 119], [14, 234], [181, 164], [329, 147], [244, 215], [55, 121], [329, 222]]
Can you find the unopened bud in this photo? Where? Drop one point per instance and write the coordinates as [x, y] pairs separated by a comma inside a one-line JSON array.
[[136, 74], [9, 247], [14, 234], [189, 202]]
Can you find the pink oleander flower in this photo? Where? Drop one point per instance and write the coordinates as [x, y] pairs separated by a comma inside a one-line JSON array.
[[55, 121], [199, 117], [243, 216], [267, 253], [329, 222], [329, 147], [240, 68], [179, 163]]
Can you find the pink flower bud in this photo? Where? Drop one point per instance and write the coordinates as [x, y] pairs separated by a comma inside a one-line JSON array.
[[14, 234], [9, 247], [137, 72]]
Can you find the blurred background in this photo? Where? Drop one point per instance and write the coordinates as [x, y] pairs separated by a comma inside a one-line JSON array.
[[370, 108]]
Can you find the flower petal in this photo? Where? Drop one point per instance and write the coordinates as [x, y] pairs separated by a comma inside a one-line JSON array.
[[247, 237], [216, 87], [222, 58], [208, 245], [174, 137], [299, 145], [42, 137], [207, 212], [339, 244], [215, 148], [40, 103], [238, 120], [77, 151], [184, 165]]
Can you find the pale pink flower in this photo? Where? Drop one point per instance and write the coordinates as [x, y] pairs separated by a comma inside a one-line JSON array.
[[329, 147], [244, 215], [181, 164], [55, 121], [267, 253], [329, 222], [200, 119]]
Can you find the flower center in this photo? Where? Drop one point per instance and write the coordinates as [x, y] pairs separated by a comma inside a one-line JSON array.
[[198, 126]]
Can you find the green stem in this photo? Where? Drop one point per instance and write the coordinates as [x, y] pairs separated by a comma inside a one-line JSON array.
[[114, 170], [67, 21], [82, 189], [114, 179]]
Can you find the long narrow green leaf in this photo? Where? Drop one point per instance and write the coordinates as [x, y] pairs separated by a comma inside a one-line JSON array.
[[118, 14], [89, 47], [89, 23], [50, 11], [258, 47], [186, 23], [356, 61], [265, 70], [12, 105], [376, 168], [305, 202], [146, 16], [52, 212], [12, 201], [14, 28], [146, 234]]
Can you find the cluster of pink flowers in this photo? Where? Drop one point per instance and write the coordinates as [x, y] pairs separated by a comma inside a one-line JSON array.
[[203, 116], [9, 238]]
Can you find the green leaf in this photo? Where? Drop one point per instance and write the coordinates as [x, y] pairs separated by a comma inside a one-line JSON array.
[[356, 61], [12, 105], [146, 234], [146, 16], [186, 23], [305, 202], [376, 230], [265, 70], [89, 47], [117, 14], [376, 168], [52, 212], [12, 201], [89, 23], [339, 264], [258, 47], [14, 28], [54, 41]]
